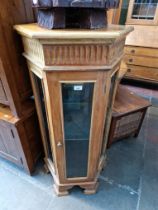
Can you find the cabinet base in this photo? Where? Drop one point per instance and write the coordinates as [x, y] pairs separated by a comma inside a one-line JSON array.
[[88, 189]]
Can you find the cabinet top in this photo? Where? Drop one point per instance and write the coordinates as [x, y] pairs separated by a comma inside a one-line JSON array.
[[36, 32], [127, 102]]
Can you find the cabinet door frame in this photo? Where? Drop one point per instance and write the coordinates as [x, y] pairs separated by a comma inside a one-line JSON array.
[[130, 20], [52, 84]]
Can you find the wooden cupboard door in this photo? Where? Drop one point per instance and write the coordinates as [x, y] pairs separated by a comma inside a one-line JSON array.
[[76, 104], [8, 143]]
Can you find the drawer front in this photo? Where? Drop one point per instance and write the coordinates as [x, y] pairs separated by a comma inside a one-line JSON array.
[[3, 97], [141, 51], [141, 61], [142, 73]]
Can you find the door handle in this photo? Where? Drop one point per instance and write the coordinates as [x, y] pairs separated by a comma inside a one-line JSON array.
[[130, 60], [59, 144]]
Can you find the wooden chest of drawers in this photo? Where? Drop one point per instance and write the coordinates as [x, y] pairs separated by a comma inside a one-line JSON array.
[[142, 63], [128, 114]]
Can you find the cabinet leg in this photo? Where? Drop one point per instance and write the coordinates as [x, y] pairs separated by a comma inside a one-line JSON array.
[[91, 188], [61, 190]]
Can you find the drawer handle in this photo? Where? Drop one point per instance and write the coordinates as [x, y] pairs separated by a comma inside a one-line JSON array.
[[128, 70], [130, 60], [132, 51]]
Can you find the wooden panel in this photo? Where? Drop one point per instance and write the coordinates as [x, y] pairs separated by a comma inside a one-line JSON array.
[[116, 50], [15, 72], [128, 114], [126, 102], [142, 73], [83, 54], [142, 51], [20, 140], [141, 60], [75, 54], [8, 143], [34, 49], [143, 36]]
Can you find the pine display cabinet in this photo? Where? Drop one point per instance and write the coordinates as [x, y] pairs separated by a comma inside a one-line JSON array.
[[73, 74]]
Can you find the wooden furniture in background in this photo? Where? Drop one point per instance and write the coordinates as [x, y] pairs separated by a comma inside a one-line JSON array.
[[141, 52], [142, 12], [113, 15], [128, 114], [15, 84], [18, 123], [19, 138], [73, 74]]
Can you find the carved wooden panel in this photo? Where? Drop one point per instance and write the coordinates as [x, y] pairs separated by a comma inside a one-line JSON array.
[[33, 48], [115, 50], [75, 54], [83, 54]]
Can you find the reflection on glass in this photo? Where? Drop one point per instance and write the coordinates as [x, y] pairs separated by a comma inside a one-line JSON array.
[[77, 109], [144, 9], [38, 83]]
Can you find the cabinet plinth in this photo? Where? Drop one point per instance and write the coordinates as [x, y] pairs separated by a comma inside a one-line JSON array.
[[74, 76]]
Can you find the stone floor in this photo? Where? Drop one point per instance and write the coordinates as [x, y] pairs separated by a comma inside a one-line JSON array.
[[129, 182]]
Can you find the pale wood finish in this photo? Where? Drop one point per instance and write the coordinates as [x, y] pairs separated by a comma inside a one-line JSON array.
[[141, 60], [142, 63], [87, 56], [128, 113], [141, 51], [142, 73], [110, 33], [143, 36]]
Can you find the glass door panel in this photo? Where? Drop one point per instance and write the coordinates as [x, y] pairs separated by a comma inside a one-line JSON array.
[[144, 9], [40, 92], [77, 110]]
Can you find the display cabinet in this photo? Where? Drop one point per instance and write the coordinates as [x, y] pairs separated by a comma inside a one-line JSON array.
[[142, 12], [72, 72]]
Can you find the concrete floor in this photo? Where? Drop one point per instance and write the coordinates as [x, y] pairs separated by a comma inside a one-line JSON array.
[[129, 182]]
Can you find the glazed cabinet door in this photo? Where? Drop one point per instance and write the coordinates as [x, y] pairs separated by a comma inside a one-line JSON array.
[[77, 105], [8, 143], [143, 12]]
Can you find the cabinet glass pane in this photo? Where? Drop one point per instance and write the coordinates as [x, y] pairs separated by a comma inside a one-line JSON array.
[[40, 92], [77, 110], [144, 9]]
